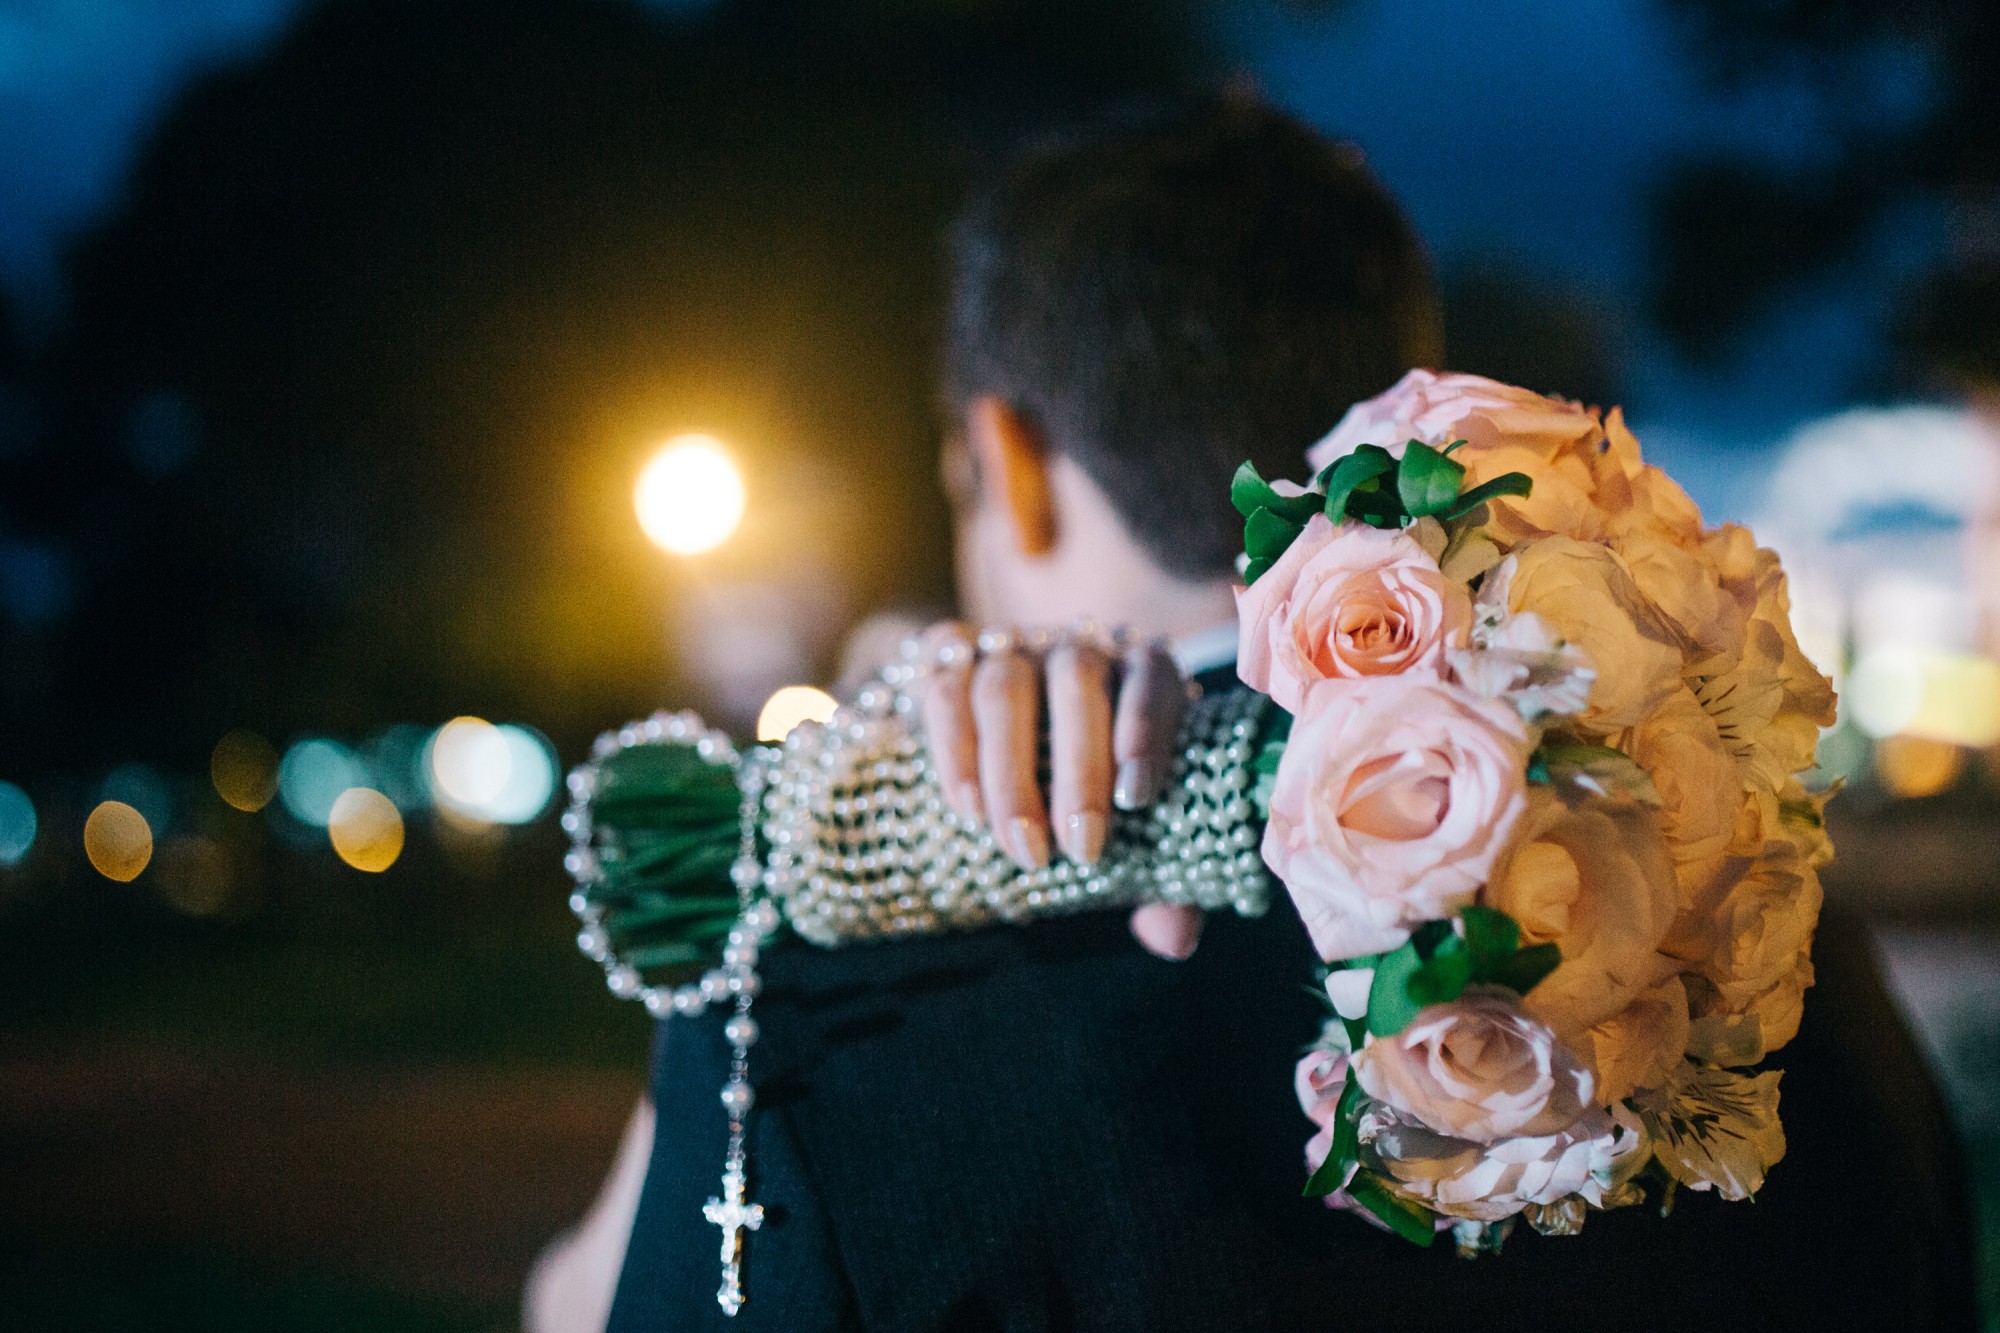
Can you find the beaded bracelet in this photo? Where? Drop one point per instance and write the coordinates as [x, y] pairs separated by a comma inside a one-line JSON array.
[[843, 833]]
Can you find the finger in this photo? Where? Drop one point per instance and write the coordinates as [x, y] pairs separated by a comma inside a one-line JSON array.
[[948, 720], [1150, 707], [1006, 711], [1080, 750], [1168, 930]]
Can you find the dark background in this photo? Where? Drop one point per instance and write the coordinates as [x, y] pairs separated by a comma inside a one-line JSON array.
[[332, 336]]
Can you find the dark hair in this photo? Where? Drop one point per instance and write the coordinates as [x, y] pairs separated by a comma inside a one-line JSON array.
[[1171, 291]]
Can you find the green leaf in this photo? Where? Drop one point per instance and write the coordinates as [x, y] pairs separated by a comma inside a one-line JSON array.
[[1249, 492], [1256, 569], [1454, 447], [1390, 1007], [1521, 971], [1377, 509], [1431, 936], [1803, 812], [1345, 475], [1267, 535], [1442, 979], [1489, 934], [1597, 769], [1357, 1031], [1513, 483], [1412, 1221], [1346, 1150], [1427, 481]]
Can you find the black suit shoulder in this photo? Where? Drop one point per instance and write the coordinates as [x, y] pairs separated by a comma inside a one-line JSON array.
[[1047, 1128]]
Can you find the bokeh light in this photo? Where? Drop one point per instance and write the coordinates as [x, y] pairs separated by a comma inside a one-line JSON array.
[[244, 769], [118, 841], [1913, 766], [531, 778], [313, 775], [469, 760], [146, 790], [1961, 703], [18, 824], [194, 875], [690, 495], [788, 707], [366, 829], [491, 774], [1952, 698], [395, 761]]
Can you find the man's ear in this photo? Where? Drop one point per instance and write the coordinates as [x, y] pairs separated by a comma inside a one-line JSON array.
[[1014, 470]]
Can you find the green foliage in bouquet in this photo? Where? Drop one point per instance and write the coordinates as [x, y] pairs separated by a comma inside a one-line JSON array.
[[1370, 486], [1434, 966], [667, 827]]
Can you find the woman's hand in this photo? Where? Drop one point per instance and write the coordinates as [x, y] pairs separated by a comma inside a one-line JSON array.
[[1113, 718]]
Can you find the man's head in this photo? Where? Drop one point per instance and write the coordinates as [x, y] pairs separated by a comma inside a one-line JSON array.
[[1137, 308]]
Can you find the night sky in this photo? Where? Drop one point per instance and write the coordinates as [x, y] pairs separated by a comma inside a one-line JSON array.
[[1529, 133]]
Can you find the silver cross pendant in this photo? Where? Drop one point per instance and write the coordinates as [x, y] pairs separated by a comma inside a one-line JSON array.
[[734, 1217]]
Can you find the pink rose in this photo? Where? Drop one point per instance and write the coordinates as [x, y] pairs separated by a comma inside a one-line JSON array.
[[1487, 1182], [1394, 797], [1346, 601], [1477, 1069], [1320, 1078], [1560, 445]]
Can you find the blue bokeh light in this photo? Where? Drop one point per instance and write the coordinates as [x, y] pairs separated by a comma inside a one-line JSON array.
[[313, 774], [18, 824]]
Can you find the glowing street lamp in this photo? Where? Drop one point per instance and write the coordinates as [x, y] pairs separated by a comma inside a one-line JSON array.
[[690, 495]]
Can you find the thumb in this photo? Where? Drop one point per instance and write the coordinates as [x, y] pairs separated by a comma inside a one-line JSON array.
[[1168, 930]]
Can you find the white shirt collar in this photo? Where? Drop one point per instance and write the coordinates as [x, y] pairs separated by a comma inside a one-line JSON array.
[[1206, 649]]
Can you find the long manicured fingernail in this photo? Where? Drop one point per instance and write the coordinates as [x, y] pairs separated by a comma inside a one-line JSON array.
[[967, 801], [1137, 783], [1031, 842], [1083, 837], [1167, 931]]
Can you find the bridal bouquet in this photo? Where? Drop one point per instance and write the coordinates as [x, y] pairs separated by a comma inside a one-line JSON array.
[[1538, 805]]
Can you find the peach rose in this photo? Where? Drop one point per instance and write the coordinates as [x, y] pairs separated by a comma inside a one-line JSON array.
[[1585, 594], [1764, 925], [1638, 497], [1701, 792], [1394, 797], [1506, 429], [1641, 1045], [1487, 1182], [1683, 585], [1477, 1069], [1346, 601], [1597, 883], [1767, 693]]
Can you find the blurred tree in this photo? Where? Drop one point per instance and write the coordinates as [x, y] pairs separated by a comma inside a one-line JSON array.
[[410, 293], [1904, 105]]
